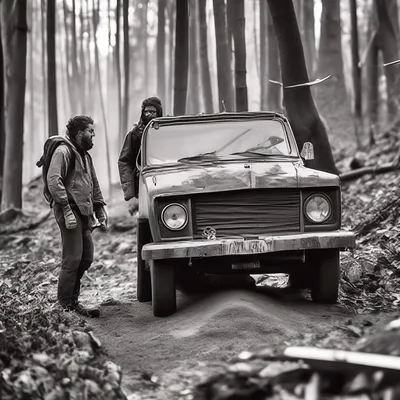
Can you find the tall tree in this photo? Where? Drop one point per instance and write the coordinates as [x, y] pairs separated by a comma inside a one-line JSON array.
[[51, 67], [96, 17], [14, 35], [117, 53], [300, 107], [204, 63], [263, 54], [309, 35], [240, 55], [145, 6], [331, 97], [74, 59], [43, 56], [161, 68], [125, 108], [356, 70], [193, 95], [385, 25], [181, 56], [224, 71], [2, 113], [274, 91]]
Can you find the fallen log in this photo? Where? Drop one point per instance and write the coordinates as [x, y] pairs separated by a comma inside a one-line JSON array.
[[357, 173]]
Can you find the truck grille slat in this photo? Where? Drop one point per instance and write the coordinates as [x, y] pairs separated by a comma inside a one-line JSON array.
[[248, 212]]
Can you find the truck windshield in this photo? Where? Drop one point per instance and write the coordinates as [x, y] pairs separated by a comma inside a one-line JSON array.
[[223, 140]]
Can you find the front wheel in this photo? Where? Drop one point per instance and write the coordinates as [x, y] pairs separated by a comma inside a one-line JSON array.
[[163, 288], [325, 275]]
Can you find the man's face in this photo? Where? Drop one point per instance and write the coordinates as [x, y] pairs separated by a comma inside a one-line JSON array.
[[149, 113], [85, 137]]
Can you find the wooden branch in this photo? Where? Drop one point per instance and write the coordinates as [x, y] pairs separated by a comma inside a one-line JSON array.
[[379, 169]]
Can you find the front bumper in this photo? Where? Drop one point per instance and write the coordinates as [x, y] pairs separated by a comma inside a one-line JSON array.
[[240, 246]]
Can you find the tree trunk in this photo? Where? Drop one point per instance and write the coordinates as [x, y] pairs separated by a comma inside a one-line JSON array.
[[388, 37], [224, 71], [171, 12], [275, 93], [71, 92], [358, 124], [372, 75], [331, 96], [145, 47], [181, 56], [255, 36], [161, 68], [240, 55], [302, 113], [193, 95], [309, 35], [125, 14], [43, 54], [14, 37], [74, 60], [2, 113], [99, 85], [263, 54], [117, 53], [51, 67], [205, 65], [82, 62]]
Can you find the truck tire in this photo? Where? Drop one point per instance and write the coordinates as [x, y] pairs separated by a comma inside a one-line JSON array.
[[325, 275], [143, 280], [163, 288]]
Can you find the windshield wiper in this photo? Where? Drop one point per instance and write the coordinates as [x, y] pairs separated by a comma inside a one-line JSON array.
[[199, 157]]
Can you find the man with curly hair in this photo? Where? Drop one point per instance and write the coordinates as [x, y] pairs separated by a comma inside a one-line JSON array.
[[76, 199], [128, 172]]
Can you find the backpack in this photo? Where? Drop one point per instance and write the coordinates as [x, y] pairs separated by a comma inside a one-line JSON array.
[[48, 149]]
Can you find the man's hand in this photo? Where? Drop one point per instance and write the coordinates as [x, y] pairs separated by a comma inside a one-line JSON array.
[[69, 217], [102, 217]]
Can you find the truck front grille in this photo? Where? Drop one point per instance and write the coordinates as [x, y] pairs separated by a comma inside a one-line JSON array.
[[247, 212]]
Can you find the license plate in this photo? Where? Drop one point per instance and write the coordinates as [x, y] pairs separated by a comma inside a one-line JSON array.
[[246, 265]]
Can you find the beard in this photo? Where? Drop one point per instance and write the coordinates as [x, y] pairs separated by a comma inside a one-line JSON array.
[[86, 143]]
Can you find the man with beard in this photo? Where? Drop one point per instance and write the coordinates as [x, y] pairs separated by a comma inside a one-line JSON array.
[[76, 197], [128, 172]]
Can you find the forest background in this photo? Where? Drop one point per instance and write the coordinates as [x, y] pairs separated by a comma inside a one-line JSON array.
[[103, 58]]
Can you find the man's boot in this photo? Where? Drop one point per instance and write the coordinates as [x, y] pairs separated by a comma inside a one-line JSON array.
[[91, 312]]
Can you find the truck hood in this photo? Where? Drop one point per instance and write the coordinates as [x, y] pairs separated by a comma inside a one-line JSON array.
[[234, 176]]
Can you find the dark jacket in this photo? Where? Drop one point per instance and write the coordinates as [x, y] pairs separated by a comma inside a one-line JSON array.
[[78, 185], [128, 172]]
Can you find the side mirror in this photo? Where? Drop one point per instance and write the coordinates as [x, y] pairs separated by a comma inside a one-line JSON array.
[[307, 152]]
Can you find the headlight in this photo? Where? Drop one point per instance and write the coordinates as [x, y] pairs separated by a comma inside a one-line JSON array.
[[174, 216], [317, 208]]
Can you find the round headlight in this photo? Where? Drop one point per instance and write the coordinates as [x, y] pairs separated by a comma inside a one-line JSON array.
[[174, 216], [317, 208]]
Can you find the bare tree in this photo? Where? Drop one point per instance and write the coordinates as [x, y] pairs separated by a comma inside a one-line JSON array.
[[331, 97], [240, 55], [263, 54], [117, 53], [96, 13], [309, 35], [274, 91], [358, 123], [125, 107], [43, 54], [300, 107], [14, 36], [193, 95], [2, 113], [224, 71], [181, 56], [51, 67], [161, 69], [204, 64]]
